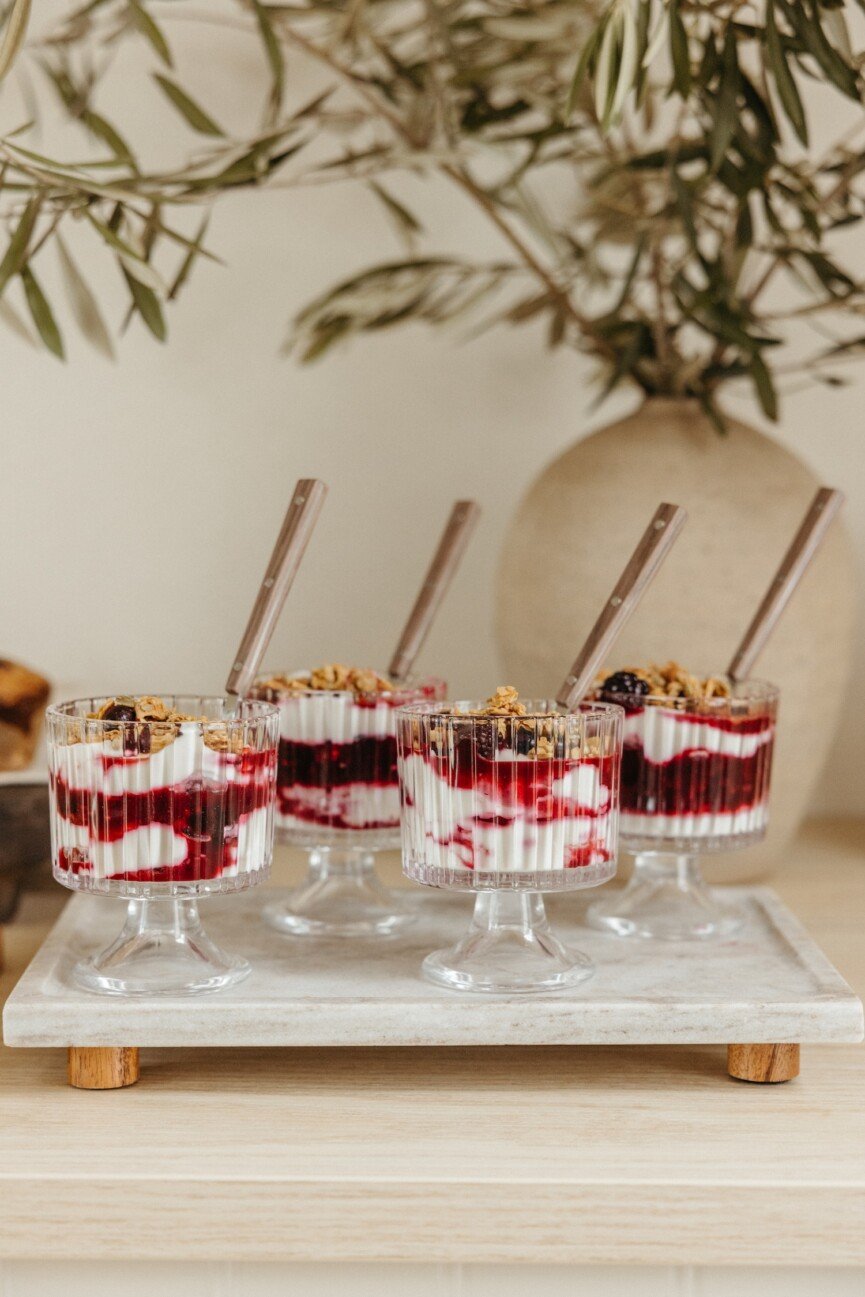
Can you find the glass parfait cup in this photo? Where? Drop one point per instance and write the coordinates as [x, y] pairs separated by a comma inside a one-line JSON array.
[[509, 807], [338, 798], [695, 780], [159, 814]]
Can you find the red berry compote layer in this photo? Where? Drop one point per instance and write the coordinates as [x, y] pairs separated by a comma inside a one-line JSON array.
[[142, 793], [337, 749], [697, 755], [508, 788]]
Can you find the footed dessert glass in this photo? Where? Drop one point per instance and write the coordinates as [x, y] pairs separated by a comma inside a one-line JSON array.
[[338, 797], [161, 811], [695, 779], [509, 807]]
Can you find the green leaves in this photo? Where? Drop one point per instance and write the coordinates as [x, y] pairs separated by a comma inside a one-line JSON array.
[[649, 247], [150, 31], [805, 19], [612, 56], [190, 111], [13, 34], [15, 255], [406, 223], [273, 52], [584, 67], [146, 303], [764, 387], [84, 306], [679, 52], [785, 83], [726, 111], [196, 248], [41, 313], [434, 290], [130, 257]]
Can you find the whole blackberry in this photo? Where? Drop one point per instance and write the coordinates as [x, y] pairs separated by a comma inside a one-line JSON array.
[[119, 712], [622, 684], [136, 738]]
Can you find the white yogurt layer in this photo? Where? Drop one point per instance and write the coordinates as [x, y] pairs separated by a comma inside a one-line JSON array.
[[321, 716], [352, 806], [98, 769], [451, 828], [750, 819], [665, 734]]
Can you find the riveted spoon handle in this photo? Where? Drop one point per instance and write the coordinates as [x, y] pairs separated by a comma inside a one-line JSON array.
[[794, 564], [455, 537], [290, 547], [642, 567]]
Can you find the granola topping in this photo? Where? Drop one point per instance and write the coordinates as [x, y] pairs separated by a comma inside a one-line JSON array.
[[672, 682], [540, 735], [146, 725], [506, 702], [333, 676]]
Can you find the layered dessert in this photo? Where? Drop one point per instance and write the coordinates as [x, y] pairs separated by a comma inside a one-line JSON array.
[[143, 792], [337, 749], [697, 755], [508, 788]]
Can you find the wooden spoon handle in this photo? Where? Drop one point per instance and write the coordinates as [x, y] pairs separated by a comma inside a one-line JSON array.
[[290, 547], [446, 560], [803, 547], [632, 585]]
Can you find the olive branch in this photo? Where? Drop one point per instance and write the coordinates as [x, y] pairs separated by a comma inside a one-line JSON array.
[[645, 167]]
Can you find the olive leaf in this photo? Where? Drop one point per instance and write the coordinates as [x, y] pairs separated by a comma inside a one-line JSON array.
[[146, 304], [726, 101], [406, 223], [764, 387], [13, 321], [41, 313], [196, 249], [273, 52], [15, 255], [192, 112], [84, 306], [785, 83], [146, 24], [679, 51], [15, 30], [131, 259]]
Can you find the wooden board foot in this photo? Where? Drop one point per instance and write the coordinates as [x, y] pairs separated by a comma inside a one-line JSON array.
[[763, 1063], [102, 1069]]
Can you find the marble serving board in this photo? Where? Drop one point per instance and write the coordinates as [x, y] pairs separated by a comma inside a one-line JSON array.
[[771, 983]]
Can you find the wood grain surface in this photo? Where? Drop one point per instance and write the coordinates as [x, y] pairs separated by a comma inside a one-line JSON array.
[[636, 1155]]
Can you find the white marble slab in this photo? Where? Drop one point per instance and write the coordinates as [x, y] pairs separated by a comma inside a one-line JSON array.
[[772, 983]]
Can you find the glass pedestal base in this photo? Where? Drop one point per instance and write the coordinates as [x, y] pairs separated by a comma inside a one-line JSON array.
[[341, 897], [162, 950], [667, 899], [509, 949]]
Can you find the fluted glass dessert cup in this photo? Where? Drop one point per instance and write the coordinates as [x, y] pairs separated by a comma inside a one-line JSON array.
[[509, 807], [161, 814], [338, 798], [695, 781]]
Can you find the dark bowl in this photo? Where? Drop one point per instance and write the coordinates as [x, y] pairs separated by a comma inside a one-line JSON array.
[[25, 843]]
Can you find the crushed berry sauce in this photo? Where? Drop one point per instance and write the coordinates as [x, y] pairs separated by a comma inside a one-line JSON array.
[[694, 782], [206, 814]]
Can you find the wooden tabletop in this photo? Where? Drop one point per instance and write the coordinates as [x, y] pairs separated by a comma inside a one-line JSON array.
[[586, 1155]]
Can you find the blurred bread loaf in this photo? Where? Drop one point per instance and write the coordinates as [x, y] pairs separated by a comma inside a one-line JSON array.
[[23, 696]]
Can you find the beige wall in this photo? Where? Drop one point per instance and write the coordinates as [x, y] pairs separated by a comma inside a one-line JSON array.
[[140, 500]]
